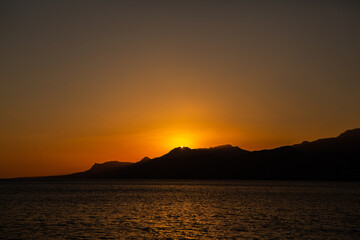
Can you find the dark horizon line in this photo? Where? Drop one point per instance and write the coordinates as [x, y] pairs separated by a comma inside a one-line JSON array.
[[346, 133]]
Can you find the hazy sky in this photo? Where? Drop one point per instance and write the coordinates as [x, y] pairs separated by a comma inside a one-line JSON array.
[[93, 81]]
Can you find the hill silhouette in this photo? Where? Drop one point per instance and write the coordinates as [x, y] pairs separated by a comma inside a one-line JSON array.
[[324, 159]]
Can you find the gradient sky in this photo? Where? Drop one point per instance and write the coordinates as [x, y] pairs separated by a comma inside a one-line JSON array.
[[94, 81]]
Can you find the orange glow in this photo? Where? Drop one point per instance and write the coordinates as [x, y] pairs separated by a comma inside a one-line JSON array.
[[181, 139], [125, 81]]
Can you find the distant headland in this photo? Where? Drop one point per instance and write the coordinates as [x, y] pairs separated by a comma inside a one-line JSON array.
[[336, 158]]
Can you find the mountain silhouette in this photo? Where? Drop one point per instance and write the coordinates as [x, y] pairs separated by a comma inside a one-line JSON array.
[[101, 170], [324, 159]]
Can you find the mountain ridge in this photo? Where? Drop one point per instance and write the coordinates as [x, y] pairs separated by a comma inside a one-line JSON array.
[[335, 158]]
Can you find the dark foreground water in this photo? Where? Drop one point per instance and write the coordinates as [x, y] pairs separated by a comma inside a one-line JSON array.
[[179, 210]]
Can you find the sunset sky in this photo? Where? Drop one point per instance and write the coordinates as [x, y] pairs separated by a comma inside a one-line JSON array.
[[94, 81]]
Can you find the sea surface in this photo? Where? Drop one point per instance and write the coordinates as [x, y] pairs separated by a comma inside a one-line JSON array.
[[179, 209]]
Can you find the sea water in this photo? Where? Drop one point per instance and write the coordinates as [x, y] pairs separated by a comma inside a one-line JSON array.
[[179, 209]]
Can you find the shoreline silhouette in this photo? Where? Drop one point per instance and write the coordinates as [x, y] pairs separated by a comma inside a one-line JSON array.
[[336, 158]]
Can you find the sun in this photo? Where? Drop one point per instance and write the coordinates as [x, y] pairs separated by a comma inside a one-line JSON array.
[[180, 140]]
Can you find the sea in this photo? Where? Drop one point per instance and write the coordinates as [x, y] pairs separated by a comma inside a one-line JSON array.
[[179, 209]]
